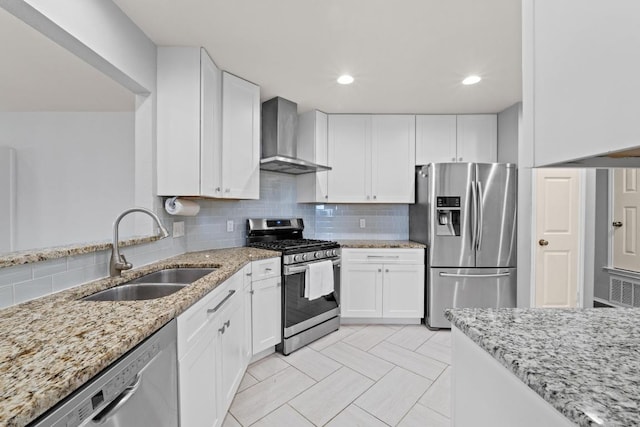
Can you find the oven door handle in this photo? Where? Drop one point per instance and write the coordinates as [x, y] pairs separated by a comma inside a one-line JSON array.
[[290, 270]]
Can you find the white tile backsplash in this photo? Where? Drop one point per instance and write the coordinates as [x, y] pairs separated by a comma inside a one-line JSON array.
[[208, 230]]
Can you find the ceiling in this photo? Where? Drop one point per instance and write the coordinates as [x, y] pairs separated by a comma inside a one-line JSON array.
[[39, 75], [407, 56]]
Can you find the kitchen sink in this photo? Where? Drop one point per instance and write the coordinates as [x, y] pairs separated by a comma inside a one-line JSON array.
[[174, 275], [151, 286], [135, 292]]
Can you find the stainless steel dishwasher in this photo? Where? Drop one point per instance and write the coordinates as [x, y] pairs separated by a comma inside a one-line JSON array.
[[140, 389]]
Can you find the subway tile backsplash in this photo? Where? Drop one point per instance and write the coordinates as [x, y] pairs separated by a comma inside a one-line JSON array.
[[208, 230]]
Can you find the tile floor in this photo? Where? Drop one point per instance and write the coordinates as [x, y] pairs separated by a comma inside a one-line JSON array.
[[375, 375]]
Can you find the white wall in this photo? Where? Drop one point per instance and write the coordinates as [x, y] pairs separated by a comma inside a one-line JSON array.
[[75, 174]]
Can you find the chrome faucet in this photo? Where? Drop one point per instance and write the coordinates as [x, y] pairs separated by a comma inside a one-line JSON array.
[[119, 262]]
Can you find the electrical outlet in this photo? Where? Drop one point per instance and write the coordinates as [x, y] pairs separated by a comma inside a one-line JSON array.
[[229, 225], [363, 223], [178, 229]]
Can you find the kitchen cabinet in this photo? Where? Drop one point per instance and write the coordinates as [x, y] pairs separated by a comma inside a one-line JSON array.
[[580, 86], [372, 158], [211, 348], [313, 147], [240, 163], [382, 283], [461, 138], [246, 294], [266, 304], [208, 128]]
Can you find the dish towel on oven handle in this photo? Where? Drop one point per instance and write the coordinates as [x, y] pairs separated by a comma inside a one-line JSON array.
[[318, 280]]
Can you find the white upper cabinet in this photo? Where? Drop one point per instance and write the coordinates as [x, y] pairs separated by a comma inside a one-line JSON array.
[[435, 139], [372, 158], [208, 128], [462, 138], [240, 138], [350, 158], [313, 147], [189, 112], [580, 85], [393, 146], [477, 138]]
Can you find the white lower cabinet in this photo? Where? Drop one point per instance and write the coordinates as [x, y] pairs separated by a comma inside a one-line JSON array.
[[266, 303], [231, 362], [382, 283]]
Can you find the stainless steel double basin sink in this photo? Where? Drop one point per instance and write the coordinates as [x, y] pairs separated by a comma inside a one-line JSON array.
[[151, 286]]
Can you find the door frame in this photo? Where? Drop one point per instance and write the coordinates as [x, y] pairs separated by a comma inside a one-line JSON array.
[[582, 193]]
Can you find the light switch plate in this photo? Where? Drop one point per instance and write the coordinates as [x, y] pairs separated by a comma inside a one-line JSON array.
[[363, 223], [178, 229], [229, 225]]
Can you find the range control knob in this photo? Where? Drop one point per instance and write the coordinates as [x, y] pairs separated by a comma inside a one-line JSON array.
[[328, 253], [304, 257], [334, 252], [317, 254], [296, 258]]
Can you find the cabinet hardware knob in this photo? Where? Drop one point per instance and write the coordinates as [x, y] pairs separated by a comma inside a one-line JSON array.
[[251, 292], [221, 330], [379, 270], [228, 190], [375, 197], [387, 270], [453, 159], [368, 197], [460, 159], [218, 189], [617, 224], [543, 242], [227, 323], [326, 196]]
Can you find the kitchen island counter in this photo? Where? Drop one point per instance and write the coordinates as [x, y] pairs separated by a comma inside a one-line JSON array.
[[51, 346], [585, 363]]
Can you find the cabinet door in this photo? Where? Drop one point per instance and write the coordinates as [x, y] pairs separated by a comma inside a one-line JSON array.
[[240, 138], [403, 291], [198, 383], [393, 147], [478, 138], [231, 335], [246, 294], [361, 290], [210, 127], [267, 314], [435, 139], [350, 158]]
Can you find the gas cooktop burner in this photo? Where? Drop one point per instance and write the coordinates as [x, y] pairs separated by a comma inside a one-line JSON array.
[[293, 245]]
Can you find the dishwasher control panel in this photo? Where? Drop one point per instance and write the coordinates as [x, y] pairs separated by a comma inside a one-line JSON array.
[[123, 376]]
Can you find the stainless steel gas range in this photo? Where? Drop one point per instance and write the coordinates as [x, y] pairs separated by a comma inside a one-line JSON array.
[[303, 319]]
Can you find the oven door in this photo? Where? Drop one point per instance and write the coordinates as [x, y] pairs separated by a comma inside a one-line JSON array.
[[299, 313]]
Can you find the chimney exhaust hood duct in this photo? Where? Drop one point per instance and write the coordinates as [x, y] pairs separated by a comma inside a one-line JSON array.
[[279, 139]]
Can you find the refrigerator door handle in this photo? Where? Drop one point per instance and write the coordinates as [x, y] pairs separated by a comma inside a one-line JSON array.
[[480, 215], [474, 214], [474, 275]]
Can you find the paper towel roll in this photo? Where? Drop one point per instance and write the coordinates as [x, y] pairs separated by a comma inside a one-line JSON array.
[[175, 206]]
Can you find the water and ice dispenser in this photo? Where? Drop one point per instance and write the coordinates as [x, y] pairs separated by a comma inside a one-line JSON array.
[[447, 216]]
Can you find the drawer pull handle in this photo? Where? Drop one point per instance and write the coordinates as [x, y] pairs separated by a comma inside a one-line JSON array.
[[384, 256], [217, 307], [228, 323], [249, 274], [221, 330], [267, 269]]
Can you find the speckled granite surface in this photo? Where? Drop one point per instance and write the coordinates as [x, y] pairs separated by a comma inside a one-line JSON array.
[[49, 347], [37, 255], [584, 362], [381, 244]]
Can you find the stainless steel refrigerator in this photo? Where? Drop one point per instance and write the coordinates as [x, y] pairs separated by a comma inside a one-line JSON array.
[[466, 215]]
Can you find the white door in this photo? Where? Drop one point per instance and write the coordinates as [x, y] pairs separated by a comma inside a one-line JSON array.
[[626, 212], [557, 237], [230, 324], [350, 158], [403, 291], [361, 290], [247, 295], [435, 139], [477, 136], [240, 138], [210, 127], [267, 314], [393, 148]]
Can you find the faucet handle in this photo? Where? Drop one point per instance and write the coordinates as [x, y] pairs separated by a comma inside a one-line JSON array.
[[124, 264]]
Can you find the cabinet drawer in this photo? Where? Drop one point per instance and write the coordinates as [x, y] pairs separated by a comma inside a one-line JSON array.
[[265, 268], [192, 323], [384, 256]]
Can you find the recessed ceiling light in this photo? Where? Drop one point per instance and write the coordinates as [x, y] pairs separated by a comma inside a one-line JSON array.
[[345, 79], [471, 80]]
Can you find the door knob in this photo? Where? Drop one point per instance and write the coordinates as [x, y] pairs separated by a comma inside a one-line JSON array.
[[617, 224], [543, 242]]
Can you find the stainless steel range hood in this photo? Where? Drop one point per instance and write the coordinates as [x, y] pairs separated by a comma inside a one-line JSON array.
[[279, 139]]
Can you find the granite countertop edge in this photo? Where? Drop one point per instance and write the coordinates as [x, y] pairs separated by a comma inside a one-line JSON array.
[[51, 346], [380, 244], [532, 374]]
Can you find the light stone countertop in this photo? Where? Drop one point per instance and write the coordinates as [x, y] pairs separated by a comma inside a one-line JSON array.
[[584, 362], [51, 346], [381, 244]]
